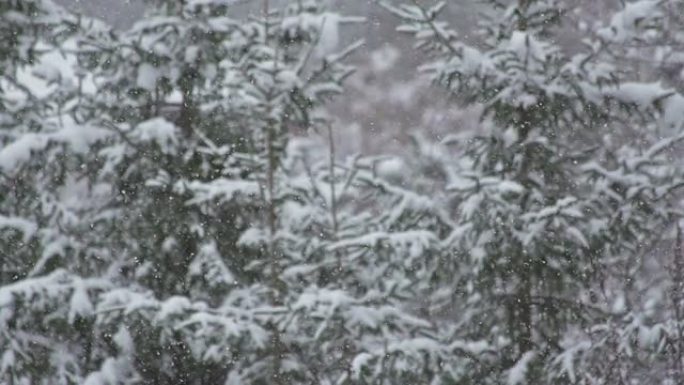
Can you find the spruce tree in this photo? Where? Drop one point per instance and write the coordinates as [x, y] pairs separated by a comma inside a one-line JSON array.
[[546, 206], [44, 305], [143, 283], [200, 107], [162, 221], [352, 265]]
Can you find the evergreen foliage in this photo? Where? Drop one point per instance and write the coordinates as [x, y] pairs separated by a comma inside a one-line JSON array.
[[548, 209], [164, 221]]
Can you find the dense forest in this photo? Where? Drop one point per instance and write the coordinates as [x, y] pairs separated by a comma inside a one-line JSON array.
[[176, 206]]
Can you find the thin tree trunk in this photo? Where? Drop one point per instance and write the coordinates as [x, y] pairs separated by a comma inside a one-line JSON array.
[[676, 296]]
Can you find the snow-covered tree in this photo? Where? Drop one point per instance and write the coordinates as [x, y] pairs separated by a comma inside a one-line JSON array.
[[44, 305], [164, 221], [199, 106], [547, 208], [352, 250], [27, 28], [187, 106], [338, 277]]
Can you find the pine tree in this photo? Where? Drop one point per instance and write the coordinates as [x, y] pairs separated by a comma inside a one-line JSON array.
[[546, 207], [199, 107], [188, 106], [27, 120], [162, 223], [44, 303], [639, 342], [351, 249]]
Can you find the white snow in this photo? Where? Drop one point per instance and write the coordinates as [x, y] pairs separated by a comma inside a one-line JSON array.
[[209, 264], [148, 76], [19, 151], [159, 131], [628, 23], [518, 373], [77, 137], [80, 305], [384, 59], [26, 227], [221, 189]]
